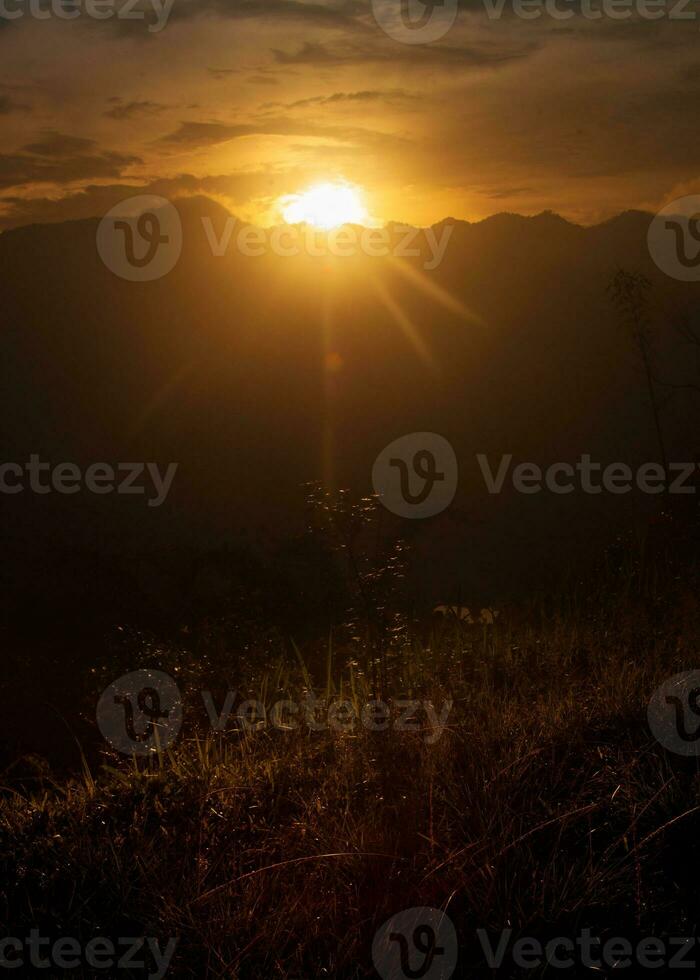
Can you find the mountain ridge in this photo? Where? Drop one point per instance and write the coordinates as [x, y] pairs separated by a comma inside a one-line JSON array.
[[500, 218]]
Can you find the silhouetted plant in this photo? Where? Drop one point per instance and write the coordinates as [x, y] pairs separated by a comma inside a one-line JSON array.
[[372, 561], [685, 326], [630, 296]]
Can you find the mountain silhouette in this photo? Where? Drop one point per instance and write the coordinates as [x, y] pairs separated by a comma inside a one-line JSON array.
[[259, 374]]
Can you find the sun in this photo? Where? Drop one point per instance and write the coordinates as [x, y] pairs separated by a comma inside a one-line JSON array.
[[325, 206]]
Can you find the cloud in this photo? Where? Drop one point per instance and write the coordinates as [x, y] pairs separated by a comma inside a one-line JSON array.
[[59, 159], [20, 170], [192, 135], [130, 110], [313, 53], [8, 105], [488, 53], [507, 192], [390, 95], [348, 15], [53, 144], [531, 114], [261, 75], [195, 134], [95, 200], [220, 73]]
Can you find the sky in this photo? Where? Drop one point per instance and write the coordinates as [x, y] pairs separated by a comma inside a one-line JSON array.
[[247, 101]]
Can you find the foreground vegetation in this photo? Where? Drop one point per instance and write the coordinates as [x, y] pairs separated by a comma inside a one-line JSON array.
[[545, 806]]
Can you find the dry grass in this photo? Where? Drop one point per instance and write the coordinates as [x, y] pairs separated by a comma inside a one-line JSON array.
[[546, 807]]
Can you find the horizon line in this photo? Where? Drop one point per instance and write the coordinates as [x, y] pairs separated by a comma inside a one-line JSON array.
[[191, 200]]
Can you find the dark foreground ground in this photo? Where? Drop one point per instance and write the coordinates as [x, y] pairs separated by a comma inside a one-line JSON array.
[[545, 806]]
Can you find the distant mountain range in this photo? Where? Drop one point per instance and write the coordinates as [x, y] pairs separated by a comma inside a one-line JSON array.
[[259, 374]]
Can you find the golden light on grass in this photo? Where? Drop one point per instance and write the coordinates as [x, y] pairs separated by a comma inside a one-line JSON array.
[[325, 206]]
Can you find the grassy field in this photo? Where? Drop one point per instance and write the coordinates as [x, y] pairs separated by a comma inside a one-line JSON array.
[[545, 806]]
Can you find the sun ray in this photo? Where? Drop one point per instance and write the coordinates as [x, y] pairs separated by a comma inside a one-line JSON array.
[[431, 288], [408, 327]]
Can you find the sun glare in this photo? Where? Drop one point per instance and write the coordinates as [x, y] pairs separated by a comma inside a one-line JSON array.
[[325, 206]]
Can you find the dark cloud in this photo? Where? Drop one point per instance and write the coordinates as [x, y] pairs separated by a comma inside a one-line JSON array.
[[506, 192], [192, 135], [20, 170], [220, 73], [60, 159], [351, 17], [263, 75], [53, 144], [390, 95], [348, 16], [130, 110], [96, 200], [314, 53], [9, 105], [489, 53]]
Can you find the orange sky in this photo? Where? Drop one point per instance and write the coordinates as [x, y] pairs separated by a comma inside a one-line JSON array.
[[250, 101]]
